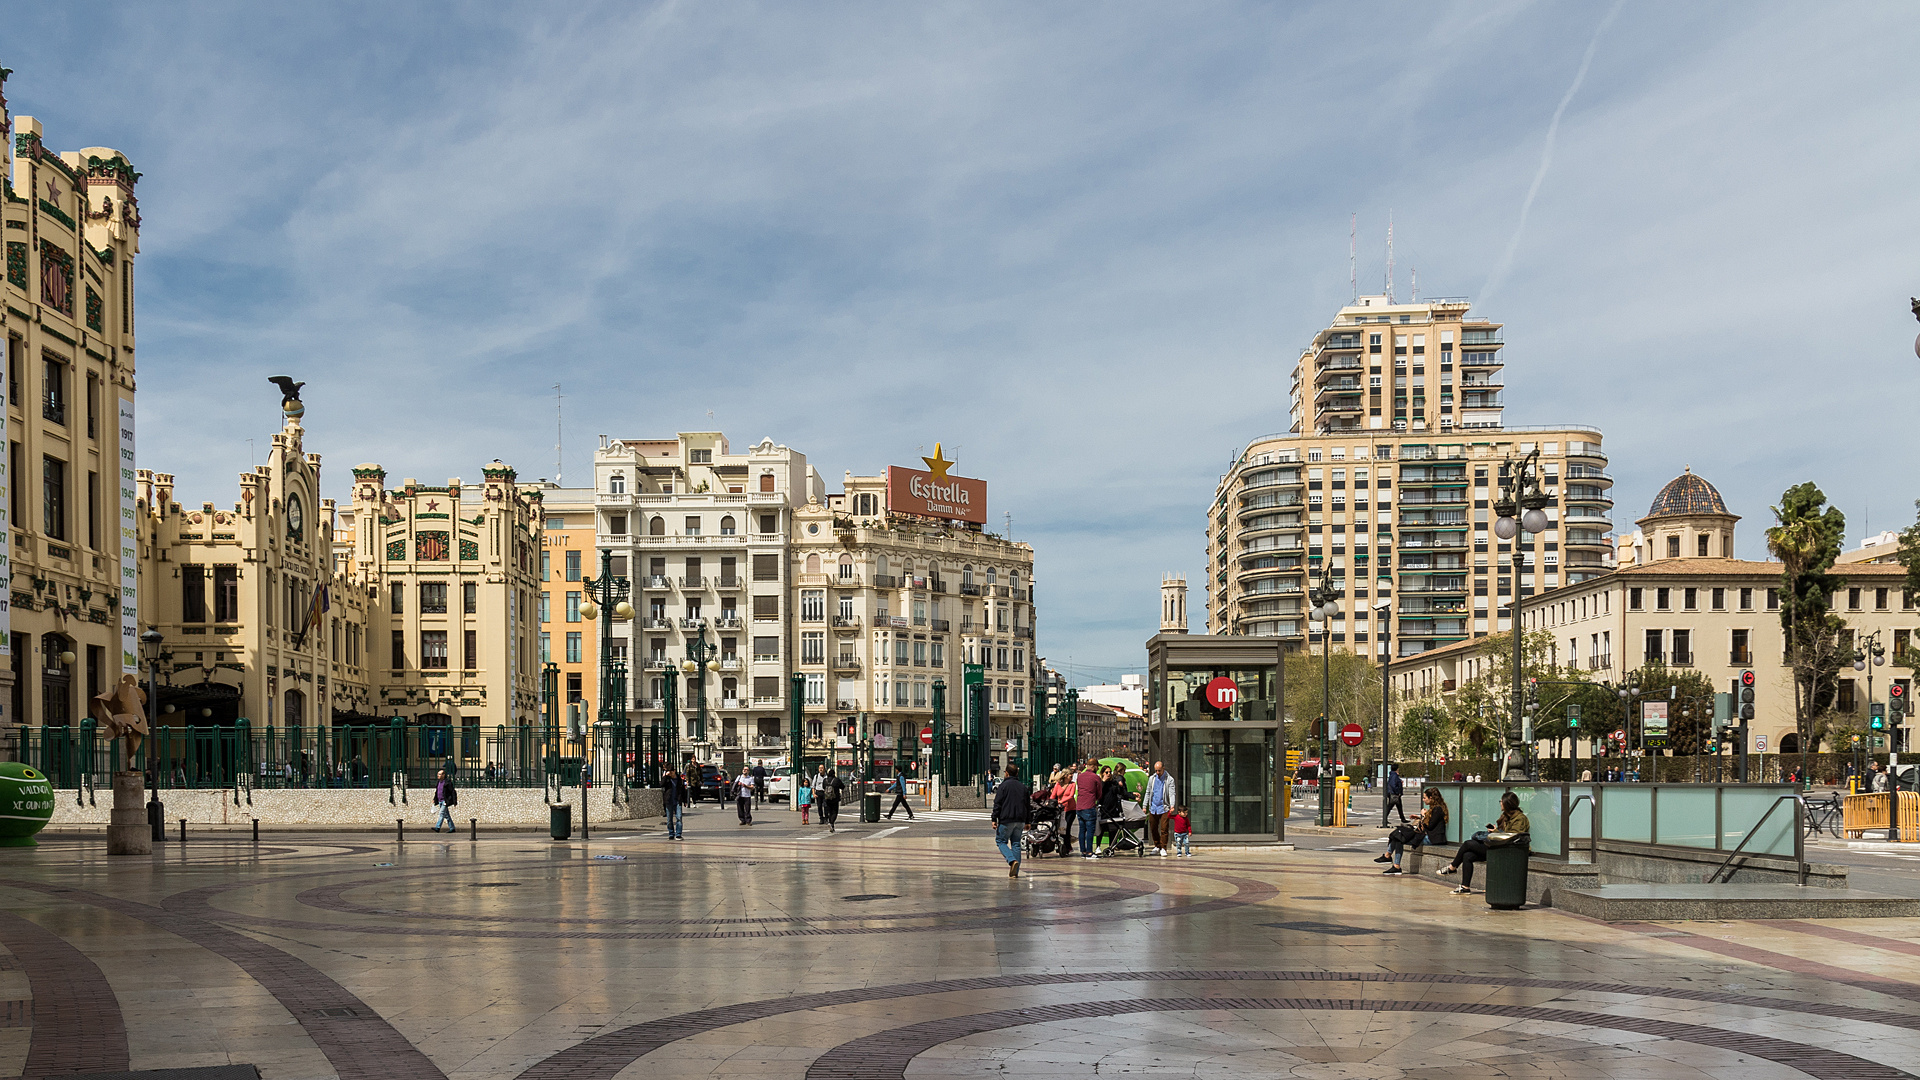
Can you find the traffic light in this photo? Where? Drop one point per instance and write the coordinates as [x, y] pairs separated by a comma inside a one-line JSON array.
[[1896, 701], [1746, 696], [1573, 716], [1876, 718]]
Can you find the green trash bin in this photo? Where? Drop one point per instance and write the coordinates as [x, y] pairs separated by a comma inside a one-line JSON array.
[[1507, 877], [870, 806], [560, 821]]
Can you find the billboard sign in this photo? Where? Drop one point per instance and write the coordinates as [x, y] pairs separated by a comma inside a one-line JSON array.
[[1653, 723], [932, 492]]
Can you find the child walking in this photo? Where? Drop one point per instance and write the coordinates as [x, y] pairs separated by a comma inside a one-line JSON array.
[[1182, 832], [803, 797]]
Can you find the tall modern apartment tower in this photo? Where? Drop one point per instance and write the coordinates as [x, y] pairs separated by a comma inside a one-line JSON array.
[[1386, 479]]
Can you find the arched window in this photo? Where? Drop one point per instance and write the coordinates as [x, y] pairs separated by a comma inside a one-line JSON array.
[[993, 575], [813, 564], [883, 728], [880, 565], [657, 526], [1013, 578], [846, 568], [295, 713], [726, 525], [617, 484], [966, 574]]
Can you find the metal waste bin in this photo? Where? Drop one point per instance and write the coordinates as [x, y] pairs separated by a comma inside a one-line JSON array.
[[560, 821], [1507, 877], [870, 806]]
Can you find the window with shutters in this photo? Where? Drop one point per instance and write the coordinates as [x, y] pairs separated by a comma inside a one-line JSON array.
[[766, 568], [433, 650], [766, 687], [766, 607], [766, 482], [900, 647], [226, 594], [399, 651], [766, 648], [470, 597], [472, 644]]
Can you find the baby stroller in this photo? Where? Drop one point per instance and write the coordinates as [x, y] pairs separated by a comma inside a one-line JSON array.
[[1128, 832], [1044, 834]]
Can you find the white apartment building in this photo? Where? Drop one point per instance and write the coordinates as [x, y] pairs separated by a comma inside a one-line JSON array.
[[703, 535]]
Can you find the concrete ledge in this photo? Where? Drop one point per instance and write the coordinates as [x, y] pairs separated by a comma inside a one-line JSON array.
[[360, 808], [1547, 879], [1662, 902]]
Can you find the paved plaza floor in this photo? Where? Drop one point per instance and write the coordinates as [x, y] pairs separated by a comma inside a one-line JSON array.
[[891, 950]]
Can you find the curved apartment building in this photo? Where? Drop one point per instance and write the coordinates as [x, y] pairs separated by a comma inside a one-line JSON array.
[[1386, 477]]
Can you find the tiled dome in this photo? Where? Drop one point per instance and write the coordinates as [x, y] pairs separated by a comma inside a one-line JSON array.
[[1687, 494]]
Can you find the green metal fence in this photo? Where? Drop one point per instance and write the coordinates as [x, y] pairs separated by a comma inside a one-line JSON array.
[[371, 755]]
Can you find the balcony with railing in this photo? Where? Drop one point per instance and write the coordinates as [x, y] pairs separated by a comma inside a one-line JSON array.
[[1481, 360], [1434, 497], [1433, 519], [728, 584], [656, 582], [1339, 386], [846, 662], [1341, 366], [694, 581], [940, 626], [846, 622], [1588, 473], [728, 622], [1455, 586], [657, 624], [1421, 476], [1433, 542], [1424, 628], [1269, 502], [1433, 607], [969, 589], [886, 581], [1272, 586], [692, 623], [1271, 478]]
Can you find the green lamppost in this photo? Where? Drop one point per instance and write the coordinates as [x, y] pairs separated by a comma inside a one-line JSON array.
[[611, 594], [1520, 510], [700, 660], [795, 719], [550, 737], [1325, 599], [937, 762]]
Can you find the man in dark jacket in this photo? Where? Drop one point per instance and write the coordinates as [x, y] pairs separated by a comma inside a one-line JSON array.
[[1012, 809], [898, 789], [759, 784], [673, 798], [1396, 787], [827, 793]]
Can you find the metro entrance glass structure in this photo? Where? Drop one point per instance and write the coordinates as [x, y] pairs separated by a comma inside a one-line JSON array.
[[1223, 750]]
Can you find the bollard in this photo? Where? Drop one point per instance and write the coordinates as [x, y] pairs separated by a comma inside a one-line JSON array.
[[473, 829], [400, 830], [183, 830], [157, 818], [256, 830]]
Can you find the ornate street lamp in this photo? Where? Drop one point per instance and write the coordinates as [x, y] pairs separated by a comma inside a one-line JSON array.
[[611, 593], [1383, 621], [1325, 601], [700, 660], [1520, 510]]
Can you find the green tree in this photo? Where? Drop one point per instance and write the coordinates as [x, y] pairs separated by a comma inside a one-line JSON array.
[[1354, 682], [1422, 730], [1807, 540]]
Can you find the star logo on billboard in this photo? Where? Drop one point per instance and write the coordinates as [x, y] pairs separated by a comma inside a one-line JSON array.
[[938, 463]]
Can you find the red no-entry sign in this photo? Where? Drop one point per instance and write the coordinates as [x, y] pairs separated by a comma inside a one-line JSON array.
[[1353, 735], [1223, 693], [926, 736]]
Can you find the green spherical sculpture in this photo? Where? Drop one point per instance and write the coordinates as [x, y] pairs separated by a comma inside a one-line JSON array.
[[26, 803]]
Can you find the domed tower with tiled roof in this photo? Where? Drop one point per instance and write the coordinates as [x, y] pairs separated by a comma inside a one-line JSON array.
[[1688, 520]]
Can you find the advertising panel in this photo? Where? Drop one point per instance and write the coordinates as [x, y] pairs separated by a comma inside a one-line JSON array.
[[932, 492]]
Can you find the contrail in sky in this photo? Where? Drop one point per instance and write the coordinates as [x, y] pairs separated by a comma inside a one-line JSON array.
[[1499, 274]]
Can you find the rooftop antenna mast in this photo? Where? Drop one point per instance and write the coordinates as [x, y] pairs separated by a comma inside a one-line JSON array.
[[1353, 259], [1009, 517], [1390, 257], [559, 436], [1413, 276]]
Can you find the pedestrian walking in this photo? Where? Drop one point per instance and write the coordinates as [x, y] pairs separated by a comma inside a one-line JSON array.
[[759, 784], [802, 796], [1182, 832], [743, 796], [1161, 797], [673, 798], [1012, 809], [899, 790], [445, 798], [1086, 804], [827, 793], [1396, 788]]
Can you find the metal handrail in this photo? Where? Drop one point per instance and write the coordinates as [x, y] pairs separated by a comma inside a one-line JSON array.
[[1593, 828], [1799, 841]]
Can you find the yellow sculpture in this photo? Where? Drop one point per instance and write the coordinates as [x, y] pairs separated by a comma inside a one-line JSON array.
[[123, 712]]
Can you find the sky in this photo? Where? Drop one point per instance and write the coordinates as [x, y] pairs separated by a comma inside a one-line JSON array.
[[1080, 245]]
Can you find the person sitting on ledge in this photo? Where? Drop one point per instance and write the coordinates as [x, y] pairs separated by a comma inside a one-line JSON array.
[[1429, 828], [1513, 829]]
